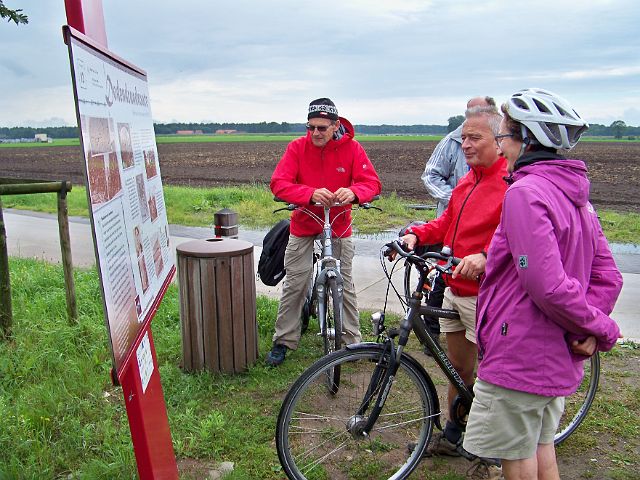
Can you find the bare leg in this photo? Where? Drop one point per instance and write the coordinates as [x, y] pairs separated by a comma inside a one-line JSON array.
[[462, 354], [541, 467], [547, 465]]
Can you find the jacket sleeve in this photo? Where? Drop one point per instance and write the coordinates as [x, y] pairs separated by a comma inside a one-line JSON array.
[[538, 261], [605, 283], [365, 183], [284, 181], [439, 168], [433, 231]]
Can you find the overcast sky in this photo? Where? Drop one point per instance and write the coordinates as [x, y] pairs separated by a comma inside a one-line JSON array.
[[381, 61]]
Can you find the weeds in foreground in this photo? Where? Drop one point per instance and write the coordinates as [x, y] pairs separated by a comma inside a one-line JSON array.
[[61, 416]]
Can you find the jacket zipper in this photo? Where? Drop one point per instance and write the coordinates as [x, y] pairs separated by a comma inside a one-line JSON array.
[[455, 231]]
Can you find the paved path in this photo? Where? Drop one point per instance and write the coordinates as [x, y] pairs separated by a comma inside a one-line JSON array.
[[32, 234]]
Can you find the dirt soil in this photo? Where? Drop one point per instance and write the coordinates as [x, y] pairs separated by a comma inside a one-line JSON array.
[[614, 168]]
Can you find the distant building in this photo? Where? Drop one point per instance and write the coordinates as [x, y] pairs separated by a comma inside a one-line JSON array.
[[42, 137], [184, 132], [225, 132]]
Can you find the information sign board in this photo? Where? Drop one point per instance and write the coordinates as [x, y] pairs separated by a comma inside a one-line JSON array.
[[124, 190]]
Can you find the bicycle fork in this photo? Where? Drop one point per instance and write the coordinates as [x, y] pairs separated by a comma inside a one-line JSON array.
[[326, 276]]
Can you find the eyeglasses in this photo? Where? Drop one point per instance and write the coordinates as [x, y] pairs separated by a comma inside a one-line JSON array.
[[499, 138], [320, 128]]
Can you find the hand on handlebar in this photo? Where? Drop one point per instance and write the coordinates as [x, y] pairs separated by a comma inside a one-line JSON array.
[[471, 267], [323, 196], [344, 195], [408, 243]]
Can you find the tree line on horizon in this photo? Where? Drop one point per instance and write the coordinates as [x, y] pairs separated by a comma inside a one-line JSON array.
[[617, 129]]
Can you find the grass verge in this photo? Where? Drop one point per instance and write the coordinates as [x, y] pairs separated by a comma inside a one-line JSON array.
[[62, 418], [254, 204]]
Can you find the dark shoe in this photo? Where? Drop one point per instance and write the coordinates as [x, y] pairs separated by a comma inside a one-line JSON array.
[[276, 356], [483, 470], [440, 445]]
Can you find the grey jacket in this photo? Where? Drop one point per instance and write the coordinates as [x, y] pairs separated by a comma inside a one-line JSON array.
[[445, 168]]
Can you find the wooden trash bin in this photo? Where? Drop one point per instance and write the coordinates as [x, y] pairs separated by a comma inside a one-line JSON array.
[[217, 305]]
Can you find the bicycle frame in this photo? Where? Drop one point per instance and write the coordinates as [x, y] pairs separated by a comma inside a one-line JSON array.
[[329, 268], [412, 322]]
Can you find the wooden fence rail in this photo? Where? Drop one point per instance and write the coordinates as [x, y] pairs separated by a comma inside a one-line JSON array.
[[10, 186]]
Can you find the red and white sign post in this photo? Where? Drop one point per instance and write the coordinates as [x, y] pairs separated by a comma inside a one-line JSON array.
[[129, 223]]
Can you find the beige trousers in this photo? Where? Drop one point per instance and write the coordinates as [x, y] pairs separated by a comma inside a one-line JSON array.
[[298, 261]]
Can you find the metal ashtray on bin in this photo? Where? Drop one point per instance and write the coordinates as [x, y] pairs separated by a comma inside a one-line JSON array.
[[217, 305]]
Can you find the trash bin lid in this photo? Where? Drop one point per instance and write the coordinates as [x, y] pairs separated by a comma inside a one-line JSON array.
[[214, 247]]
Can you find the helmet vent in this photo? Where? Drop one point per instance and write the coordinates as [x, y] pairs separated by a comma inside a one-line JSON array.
[[521, 104], [541, 106]]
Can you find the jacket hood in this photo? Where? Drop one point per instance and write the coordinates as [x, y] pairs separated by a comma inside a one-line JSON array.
[[570, 176]]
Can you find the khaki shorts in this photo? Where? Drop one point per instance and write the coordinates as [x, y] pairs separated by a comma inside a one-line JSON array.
[[466, 307], [509, 424]]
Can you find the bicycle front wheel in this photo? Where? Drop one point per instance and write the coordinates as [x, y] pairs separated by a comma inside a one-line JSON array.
[[319, 434], [576, 406], [332, 335]]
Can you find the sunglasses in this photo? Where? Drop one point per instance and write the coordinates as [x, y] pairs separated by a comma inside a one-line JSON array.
[[321, 129]]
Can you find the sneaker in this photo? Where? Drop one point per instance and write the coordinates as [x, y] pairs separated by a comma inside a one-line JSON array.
[[481, 469], [276, 356], [441, 445]]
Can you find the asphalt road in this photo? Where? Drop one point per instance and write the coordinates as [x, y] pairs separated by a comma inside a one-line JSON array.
[[32, 234]]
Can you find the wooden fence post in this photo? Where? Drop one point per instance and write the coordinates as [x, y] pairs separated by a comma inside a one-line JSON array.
[[65, 250], [6, 317]]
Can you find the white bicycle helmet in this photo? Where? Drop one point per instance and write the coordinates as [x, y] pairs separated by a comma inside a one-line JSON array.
[[550, 118]]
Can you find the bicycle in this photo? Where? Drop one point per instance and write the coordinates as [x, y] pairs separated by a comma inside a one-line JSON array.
[[387, 400], [324, 297]]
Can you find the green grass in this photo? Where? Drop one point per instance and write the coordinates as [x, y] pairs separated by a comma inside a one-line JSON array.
[[58, 142], [244, 137], [254, 204], [273, 137], [62, 418]]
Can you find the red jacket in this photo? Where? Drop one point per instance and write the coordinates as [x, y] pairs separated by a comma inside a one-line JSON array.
[[468, 223], [340, 163]]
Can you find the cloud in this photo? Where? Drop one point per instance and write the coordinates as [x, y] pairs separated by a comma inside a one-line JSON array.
[[406, 61]]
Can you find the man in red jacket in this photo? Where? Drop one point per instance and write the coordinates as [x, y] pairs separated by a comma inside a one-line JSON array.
[[467, 226], [327, 166]]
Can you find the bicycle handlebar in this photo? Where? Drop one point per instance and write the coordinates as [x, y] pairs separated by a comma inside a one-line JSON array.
[[293, 206], [398, 247]]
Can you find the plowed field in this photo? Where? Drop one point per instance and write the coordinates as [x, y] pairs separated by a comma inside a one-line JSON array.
[[614, 168]]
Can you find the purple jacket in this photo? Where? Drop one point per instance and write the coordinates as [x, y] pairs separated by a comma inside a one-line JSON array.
[[550, 278]]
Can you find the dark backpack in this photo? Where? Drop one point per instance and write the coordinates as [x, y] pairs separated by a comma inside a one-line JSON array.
[[271, 264]]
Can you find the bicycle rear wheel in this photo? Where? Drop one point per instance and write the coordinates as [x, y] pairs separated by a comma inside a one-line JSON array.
[[319, 434], [576, 406], [332, 334], [410, 280]]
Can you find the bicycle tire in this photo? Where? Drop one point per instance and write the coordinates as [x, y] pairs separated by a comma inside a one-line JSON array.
[[410, 280], [332, 336], [577, 406], [317, 434]]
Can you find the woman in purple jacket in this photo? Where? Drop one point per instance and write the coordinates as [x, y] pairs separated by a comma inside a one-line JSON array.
[[549, 287]]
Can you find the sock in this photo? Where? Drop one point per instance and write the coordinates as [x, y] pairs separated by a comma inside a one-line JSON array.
[[452, 432]]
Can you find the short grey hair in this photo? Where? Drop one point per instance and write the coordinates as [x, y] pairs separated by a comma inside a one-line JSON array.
[[493, 116]]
